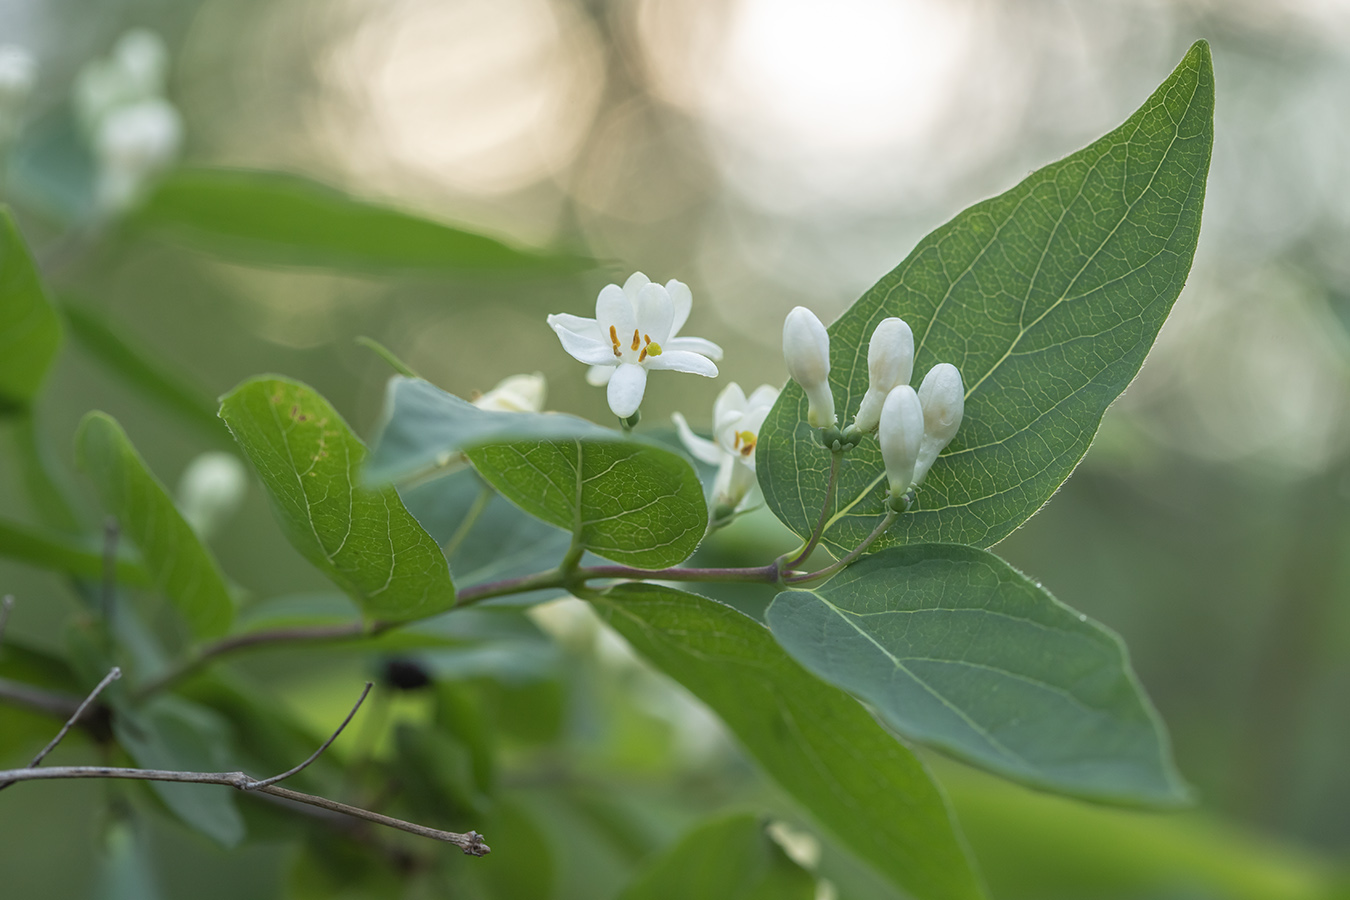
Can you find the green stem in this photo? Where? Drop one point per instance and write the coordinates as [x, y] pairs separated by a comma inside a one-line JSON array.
[[470, 519], [839, 565], [836, 457]]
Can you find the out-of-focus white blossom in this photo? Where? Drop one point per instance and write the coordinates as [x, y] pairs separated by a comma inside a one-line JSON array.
[[806, 349], [518, 393], [18, 76], [890, 363], [132, 144], [211, 490]]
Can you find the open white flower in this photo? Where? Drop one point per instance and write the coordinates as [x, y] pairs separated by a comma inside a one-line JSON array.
[[736, 423], [635, 329]]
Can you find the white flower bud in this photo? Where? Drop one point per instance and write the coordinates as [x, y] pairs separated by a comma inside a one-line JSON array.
[[806, 348], [144, 60], [900, 434], [943, 398], [519, 393], [890, 362], [210, 491]]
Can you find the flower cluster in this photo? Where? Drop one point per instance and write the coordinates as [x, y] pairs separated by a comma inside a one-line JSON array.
[[912, 427], [135, 132], [636, 329]]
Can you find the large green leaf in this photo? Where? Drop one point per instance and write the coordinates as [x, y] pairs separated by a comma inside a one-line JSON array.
[[362, 538], [1047, 298], [30, 332], [816, 742], [280, 219], [729, 858], [633, 503], [180, 565], [955, 648]]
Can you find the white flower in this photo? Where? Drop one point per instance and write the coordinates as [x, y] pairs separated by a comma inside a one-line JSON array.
[[18, 75], [132, 144], [900, 434], [890, 362], [736, 423], [806, 349], [211, 490], [634, 329], [518, 393], [943, 399]]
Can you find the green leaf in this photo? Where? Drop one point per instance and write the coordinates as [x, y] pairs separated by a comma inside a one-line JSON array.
[[815, 741], [1046, 298], [279, 219], [634, 504], [361, 538], [30, 331], [955, 648], [171, 733], [424, 430], [729, 858], [60, 553], [177, 561], [173, 390]]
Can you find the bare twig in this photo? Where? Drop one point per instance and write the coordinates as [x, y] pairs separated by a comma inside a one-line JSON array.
[[471, 842], [6, 604], [326, 744], [75, 717], [297, 634], [47, 702]]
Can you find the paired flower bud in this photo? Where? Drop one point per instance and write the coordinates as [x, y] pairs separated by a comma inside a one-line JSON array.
[[901, 435], [890, 363], [943, 398], [806, 349]]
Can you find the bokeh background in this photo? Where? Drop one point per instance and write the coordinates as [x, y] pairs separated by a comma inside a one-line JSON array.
[[773, 153]]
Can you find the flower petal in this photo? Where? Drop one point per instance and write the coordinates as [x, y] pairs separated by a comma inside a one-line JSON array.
[[599, 375], [654, 313], [612, 310], [635, 283], [765, 396], [682, 299], [579, 325], [698, 447], [683, 361], [585, 349], [626, 387], [701, 346]]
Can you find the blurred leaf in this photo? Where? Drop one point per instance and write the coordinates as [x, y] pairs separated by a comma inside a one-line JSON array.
[[631, 503], [49, 493], [1047, 298], [181, 567], [60, 553], [521, 863], [813, 739], [460, 714], [30, 331], [362, 539], [485, 536], [955, 648], [730, 858], [423, 430], [288, 610], [125, 872], [173, 390], [171, 733], [52, 171], [436, 774], [281, 219]]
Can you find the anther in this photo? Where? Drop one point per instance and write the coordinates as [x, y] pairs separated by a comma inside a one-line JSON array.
[[636, 342], [614, 338]]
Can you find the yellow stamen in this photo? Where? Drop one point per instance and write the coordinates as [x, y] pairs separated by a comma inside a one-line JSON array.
[[614, 337], [636, 342]]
